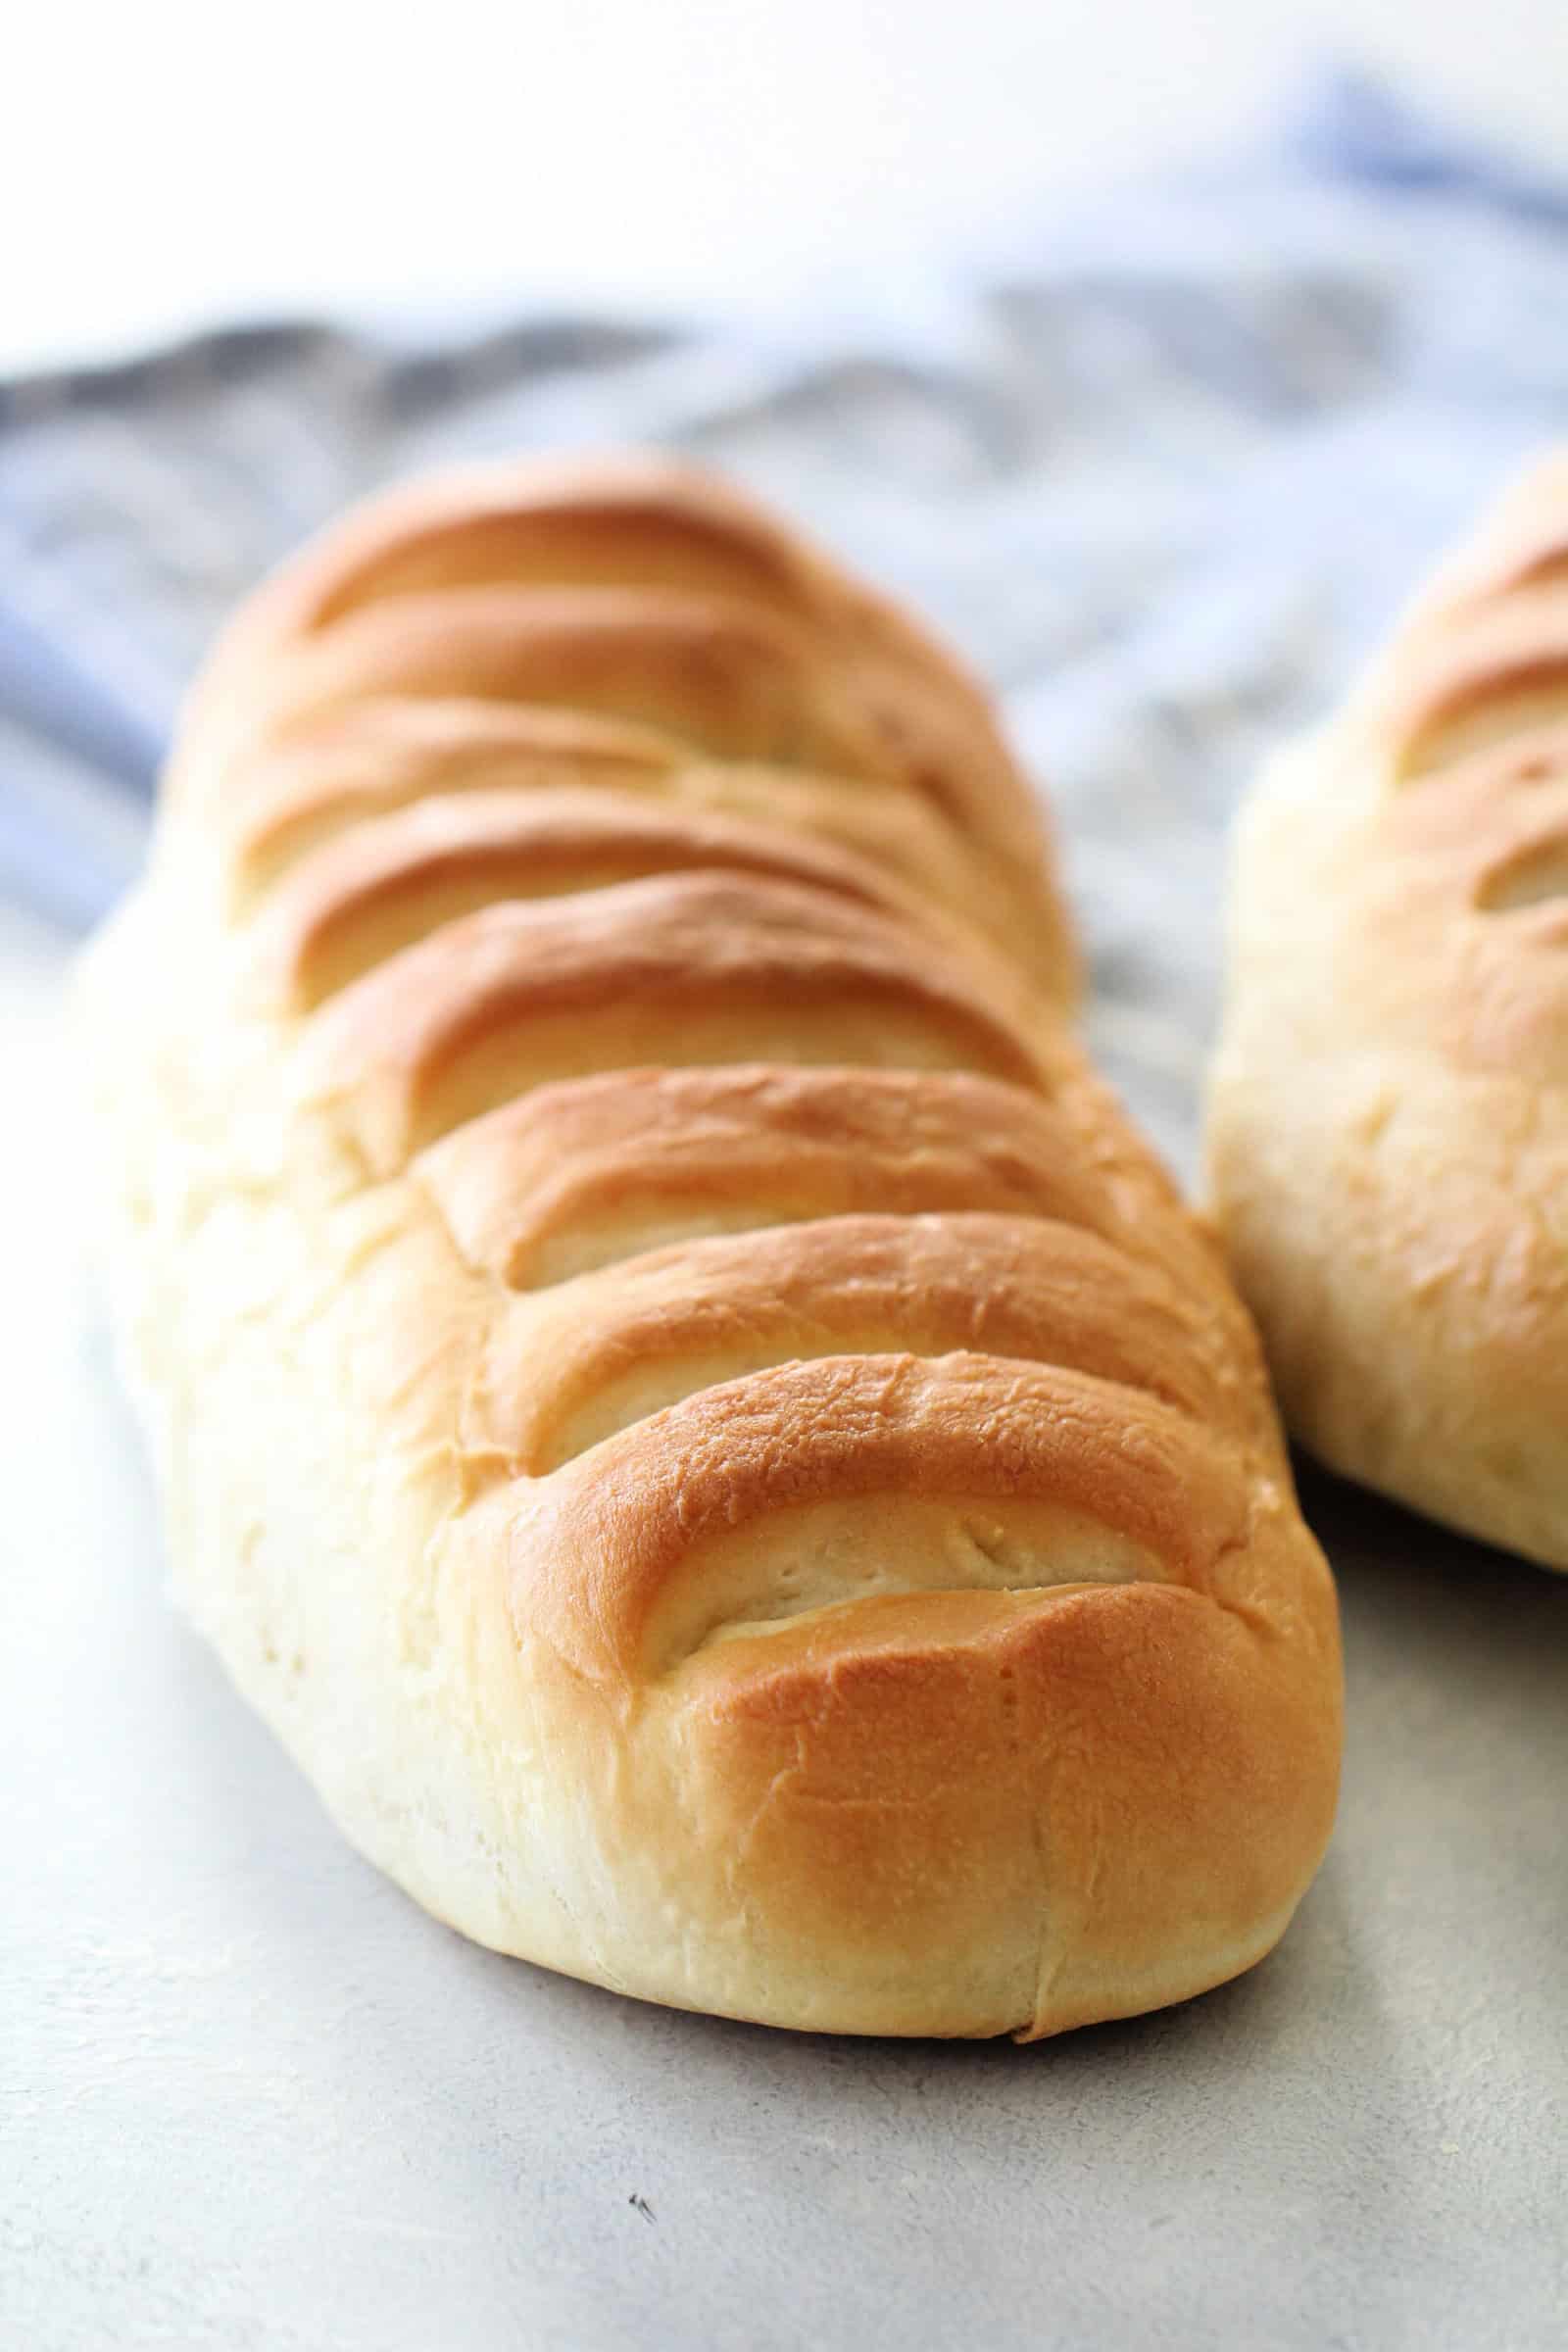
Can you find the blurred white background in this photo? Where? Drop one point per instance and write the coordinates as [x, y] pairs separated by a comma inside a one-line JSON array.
[[175, 162]]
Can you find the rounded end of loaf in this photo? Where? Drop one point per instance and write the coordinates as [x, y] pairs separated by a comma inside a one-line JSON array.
[[1013, 1816], [1020, 1739], [660, 607]]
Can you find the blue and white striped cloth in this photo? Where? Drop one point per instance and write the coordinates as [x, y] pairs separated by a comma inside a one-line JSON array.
[[1163, 469]]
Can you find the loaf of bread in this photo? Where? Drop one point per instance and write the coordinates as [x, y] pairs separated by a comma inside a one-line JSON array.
[[1388, 1140], [676, 1393]]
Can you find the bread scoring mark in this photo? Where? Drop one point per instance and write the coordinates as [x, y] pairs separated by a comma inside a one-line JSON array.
[[594, 1171], [639, 602], [1484, 711], [650, 526], [297, 792], [720, 675], [722, 678], [298, 796], [660, 1509], [834, 1571], [511, 1044], [623, 536], [399, 879], [1526, 876], [733, 968], [572, 1369]]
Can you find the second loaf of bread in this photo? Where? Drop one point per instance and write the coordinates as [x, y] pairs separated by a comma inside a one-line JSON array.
[[1387, 1145], [675, 1391]]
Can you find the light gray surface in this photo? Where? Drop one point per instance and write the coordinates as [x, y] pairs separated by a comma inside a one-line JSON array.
[[254, 2098]]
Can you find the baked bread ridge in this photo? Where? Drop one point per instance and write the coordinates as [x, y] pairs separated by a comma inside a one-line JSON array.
[[676, 1390], [1386, 1157]]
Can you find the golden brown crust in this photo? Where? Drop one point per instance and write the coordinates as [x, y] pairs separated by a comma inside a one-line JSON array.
[[645, 1505], [1386, 1150], [518, 993], [383, 756], [701, 1313], [393, 881], [386, 754], [570, 1176], [637, 520], [686, 1402], [638, 599]]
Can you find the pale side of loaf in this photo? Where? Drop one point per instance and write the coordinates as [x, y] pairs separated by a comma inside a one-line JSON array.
[[676, 1393], [1388, 1140]]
